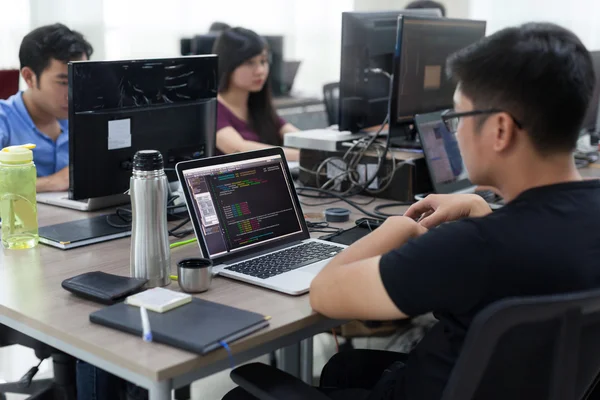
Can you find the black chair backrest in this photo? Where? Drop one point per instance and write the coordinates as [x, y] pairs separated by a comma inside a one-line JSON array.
[[331, 98], [545, 347]]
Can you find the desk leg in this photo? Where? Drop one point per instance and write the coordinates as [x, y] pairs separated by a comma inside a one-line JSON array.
[[297, 360], [306, 360], [160, 390], [289, 359]]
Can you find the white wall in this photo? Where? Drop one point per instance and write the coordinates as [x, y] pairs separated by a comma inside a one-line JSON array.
[[454, 8], [580, 16], [122, 29], [14, 24]]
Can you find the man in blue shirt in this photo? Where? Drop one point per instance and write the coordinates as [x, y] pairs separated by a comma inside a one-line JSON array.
[[39, 115]]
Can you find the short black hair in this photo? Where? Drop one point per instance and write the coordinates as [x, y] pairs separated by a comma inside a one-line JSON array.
[[426, 4], [218, 27], [540, 73], [52, 41]]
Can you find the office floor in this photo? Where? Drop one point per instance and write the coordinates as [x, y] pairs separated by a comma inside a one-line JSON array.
[[16, 360]]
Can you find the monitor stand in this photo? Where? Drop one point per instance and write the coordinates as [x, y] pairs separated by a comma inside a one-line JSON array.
[[61, 199], [405, 137]]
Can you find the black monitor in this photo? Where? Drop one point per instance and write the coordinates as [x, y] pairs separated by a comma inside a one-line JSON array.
[[280, 88], [591, 117], [419, 83], [119, 107], [203, 44], [368, 42], [185, 46]]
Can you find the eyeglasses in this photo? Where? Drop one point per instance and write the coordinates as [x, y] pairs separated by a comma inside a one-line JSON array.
[[452, 118]]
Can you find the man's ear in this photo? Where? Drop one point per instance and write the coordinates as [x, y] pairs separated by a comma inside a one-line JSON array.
[[504, 129], [29, 77]]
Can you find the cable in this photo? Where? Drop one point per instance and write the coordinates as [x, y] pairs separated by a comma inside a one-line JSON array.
[[322, 227], [339, 196], [351, 159]]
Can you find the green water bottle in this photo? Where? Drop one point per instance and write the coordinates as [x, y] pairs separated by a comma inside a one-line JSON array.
[[18, 208]]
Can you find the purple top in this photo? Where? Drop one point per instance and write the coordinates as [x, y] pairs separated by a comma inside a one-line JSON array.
[[226, 118]]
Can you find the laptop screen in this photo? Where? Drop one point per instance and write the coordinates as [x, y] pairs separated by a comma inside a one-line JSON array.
[[440, 147], [242, 204]]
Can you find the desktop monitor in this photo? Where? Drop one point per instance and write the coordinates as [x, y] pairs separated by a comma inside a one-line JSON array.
[[368, 42], [203, 44], [185, 46], [119, 107], [591, 117], [419, 82]]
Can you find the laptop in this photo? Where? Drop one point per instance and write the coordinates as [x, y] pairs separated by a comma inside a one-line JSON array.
[[248, 220], [61, 199], [442, 155]]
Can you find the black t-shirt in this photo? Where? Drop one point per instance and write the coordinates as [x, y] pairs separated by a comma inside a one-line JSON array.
[[545, 241]]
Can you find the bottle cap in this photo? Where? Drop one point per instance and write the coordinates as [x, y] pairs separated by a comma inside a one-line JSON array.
[[148, 160], [17, 154]]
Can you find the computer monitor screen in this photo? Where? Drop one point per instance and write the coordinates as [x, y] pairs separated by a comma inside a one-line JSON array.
[[442, 154], [119, 107], [228, 201], [420, 84], [591, 117], [368, 42]]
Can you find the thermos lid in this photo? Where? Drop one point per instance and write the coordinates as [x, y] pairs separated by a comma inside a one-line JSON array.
[[148, 160], [17, 154]]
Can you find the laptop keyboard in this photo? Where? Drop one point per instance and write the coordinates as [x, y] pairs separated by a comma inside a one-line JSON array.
[[286, 260]]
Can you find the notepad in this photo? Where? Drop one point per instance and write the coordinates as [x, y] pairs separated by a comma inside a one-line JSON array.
[[158, 299]]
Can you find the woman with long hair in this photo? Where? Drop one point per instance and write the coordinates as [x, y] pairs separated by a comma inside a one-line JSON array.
[[246, 118]]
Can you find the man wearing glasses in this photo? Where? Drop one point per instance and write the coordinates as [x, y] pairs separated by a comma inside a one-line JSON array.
[[520, 99]]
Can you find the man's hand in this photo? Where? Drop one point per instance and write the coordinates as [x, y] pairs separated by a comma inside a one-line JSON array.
[[436, 209], [392, 234], [58, 182]]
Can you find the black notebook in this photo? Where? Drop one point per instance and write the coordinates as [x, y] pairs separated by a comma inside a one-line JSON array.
[[198, 326], [81, 232]]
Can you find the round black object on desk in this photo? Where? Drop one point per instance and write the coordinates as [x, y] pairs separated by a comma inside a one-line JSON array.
[[337, 214]]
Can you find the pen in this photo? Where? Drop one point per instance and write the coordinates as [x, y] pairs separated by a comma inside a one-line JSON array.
[[177, 244], [147, 333]]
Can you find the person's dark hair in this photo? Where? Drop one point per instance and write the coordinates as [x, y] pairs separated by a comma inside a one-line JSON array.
[[218, 27], [540, 73], [417, 4], [234, 46], [52, 41]]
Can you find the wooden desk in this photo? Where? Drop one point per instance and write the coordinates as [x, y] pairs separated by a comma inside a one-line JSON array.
[[33, 302]]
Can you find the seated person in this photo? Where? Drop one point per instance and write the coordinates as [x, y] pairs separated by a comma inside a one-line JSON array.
[[39, 115], [218, 27], [420, 4], [515, 136], [246, 117]]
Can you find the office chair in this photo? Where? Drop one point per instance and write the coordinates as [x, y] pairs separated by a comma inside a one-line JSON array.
[[9, 83], [331, 98], [557, 335], [62, 386]]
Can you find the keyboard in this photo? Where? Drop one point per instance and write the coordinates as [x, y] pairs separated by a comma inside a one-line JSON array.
[[274, 264]]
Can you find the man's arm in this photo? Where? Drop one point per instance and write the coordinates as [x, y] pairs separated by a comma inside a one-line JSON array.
[[58, 182], [436, 209], [350, 286]]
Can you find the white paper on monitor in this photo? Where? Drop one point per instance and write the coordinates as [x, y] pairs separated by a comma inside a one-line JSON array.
[[119, 134]]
